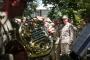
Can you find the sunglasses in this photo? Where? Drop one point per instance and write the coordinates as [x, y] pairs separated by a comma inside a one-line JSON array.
[[1, 17]]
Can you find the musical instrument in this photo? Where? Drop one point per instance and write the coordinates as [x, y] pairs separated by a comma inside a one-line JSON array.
[[35, 39]]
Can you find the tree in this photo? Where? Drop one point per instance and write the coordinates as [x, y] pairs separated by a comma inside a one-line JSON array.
[[75, 9], [31, 7]]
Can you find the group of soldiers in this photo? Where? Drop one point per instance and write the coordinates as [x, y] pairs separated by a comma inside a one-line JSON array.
[[63, 33]]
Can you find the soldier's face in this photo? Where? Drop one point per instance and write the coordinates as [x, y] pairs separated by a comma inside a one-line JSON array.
[[3, 15], [65, 21]]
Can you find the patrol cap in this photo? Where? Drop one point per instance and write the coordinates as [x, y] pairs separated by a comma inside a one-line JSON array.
[[65, 17]]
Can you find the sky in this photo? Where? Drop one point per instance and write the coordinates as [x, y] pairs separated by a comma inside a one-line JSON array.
[[41, 5], [39, 2]]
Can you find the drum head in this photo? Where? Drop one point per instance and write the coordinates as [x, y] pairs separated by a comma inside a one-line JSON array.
[[15, 48]]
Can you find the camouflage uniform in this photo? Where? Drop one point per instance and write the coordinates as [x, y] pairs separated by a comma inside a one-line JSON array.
[[66, 37]]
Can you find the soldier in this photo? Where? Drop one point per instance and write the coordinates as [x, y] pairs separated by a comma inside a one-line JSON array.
[[5, 27], [67, 35]]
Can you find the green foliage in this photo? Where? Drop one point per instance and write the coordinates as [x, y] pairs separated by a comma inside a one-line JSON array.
[[54, 13], [31, 8], [75, 9]]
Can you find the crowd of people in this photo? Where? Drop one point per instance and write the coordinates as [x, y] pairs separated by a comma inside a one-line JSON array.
[[62, 31], [63, 35]]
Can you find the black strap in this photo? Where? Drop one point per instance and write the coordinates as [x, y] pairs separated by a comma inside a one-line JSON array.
[[7, 34]]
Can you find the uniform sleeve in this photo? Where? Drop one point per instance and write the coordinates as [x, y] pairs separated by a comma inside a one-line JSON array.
[[71, 34]]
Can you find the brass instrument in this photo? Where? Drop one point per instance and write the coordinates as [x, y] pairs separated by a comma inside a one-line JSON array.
[[35, 39]]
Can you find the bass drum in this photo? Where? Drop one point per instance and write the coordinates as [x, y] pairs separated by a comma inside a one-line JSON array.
[[15, 48]]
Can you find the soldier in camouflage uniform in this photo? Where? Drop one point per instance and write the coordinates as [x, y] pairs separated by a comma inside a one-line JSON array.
[[67, 36]]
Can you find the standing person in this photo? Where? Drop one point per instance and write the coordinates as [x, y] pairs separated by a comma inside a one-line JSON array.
[[5, 28], [67, 35], [58, 27]]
